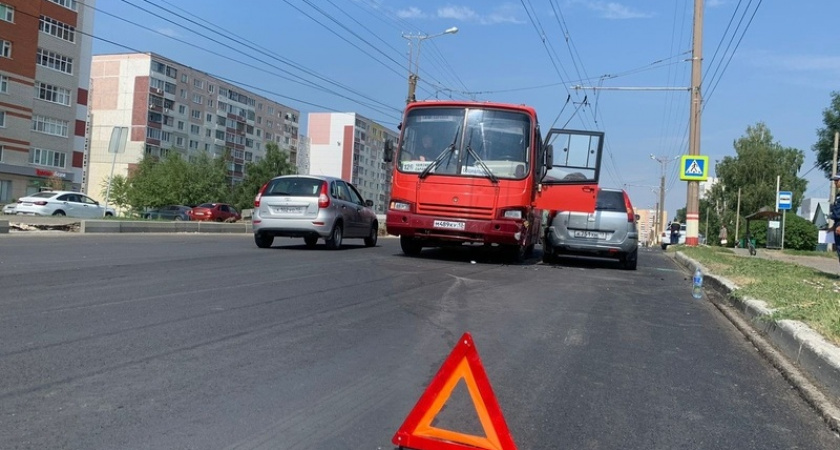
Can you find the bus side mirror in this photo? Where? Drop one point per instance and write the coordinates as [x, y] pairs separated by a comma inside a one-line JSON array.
[[549, 156], [388, 155]]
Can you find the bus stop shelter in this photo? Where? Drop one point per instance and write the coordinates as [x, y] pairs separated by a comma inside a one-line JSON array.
[[774, 231]]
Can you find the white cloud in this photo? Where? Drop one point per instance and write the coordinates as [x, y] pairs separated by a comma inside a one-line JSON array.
[[167, 32], [411, 12], [506, 13], [614, 10]]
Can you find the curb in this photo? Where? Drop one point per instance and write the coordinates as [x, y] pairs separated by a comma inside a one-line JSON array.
[[797, 351]]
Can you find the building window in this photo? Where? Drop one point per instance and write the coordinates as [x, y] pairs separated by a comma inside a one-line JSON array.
[[179, 142], [180, 125], [50, 158], [197, 98], [48, 125], [193, 145], [5, 185], [184, 78], [195, 129], [58, 29], [69, 4], [209, 118], [182, 109], [7, 13], [5, 49], [54, 61], [4, 84], [2, 119], [196, 114], [162, 68], [54, 94], [198, 83]]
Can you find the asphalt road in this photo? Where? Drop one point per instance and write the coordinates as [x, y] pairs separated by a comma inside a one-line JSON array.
[[207, 342]]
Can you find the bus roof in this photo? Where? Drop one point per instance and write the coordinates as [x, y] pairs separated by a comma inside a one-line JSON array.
[[471, 103]]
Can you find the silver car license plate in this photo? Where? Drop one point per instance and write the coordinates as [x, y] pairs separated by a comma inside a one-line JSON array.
[[590, 234], [446, 224]]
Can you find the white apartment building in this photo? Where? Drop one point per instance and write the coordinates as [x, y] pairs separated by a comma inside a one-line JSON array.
[[350, 146], [45, 54], [168, 107]]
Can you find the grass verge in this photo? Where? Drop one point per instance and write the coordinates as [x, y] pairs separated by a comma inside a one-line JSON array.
[[794, 292]]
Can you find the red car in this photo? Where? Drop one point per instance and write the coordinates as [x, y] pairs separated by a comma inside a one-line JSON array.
[[214, 212]]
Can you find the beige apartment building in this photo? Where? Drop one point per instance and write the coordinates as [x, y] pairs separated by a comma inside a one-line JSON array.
[[45, 54], [351, 147], [169, 107]]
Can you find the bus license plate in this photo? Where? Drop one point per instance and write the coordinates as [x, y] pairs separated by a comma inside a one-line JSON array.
[[449, 225]]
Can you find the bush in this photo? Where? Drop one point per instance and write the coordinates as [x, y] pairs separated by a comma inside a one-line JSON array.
[[800, 234]]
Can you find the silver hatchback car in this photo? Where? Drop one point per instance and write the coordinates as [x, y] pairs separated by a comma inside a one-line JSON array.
[[611, 231], [312, 207]]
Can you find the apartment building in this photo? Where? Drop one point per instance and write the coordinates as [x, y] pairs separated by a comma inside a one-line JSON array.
[[45, 54], [351, 147], [170, 107]]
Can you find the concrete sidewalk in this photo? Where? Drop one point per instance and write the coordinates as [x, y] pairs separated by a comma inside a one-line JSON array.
[[809, 362], [828, 264]]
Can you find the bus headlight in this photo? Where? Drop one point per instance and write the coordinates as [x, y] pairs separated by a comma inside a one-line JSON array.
[[515, 214], [400, 206]]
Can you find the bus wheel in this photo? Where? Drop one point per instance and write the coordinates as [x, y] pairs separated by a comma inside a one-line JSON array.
[[410, 246]]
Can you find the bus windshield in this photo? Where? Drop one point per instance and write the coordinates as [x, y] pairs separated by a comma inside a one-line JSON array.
[[475, 142]]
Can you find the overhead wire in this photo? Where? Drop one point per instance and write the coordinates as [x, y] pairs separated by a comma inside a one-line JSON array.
[[369, 102]]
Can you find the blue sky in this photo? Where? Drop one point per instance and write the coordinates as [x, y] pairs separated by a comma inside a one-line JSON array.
[[763, 61]]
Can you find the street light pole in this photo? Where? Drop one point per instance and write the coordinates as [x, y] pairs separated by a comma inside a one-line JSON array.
[[414, 62]]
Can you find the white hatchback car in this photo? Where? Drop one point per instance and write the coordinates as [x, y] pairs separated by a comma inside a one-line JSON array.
[[61, 203]]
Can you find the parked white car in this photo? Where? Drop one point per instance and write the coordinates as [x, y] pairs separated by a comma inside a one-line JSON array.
[[9, 208], [61, 203]]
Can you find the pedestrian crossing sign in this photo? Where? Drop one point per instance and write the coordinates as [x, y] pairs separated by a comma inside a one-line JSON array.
[[694, 168]]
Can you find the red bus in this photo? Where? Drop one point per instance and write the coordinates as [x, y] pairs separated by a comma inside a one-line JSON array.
[[481, 173]]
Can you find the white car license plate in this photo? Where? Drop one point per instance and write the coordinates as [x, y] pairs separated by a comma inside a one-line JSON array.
[[288, 209], [449, 225], [590, 234]]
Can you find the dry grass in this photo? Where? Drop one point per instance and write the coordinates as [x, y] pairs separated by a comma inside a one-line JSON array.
[[795, 292]]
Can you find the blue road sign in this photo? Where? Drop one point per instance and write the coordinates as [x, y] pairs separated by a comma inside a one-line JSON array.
[[785, 199]]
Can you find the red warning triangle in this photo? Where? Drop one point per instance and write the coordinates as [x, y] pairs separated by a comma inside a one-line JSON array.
[[463, 363]]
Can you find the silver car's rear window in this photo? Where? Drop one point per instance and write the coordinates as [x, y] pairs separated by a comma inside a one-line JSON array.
[[610, 201], [294, 187]]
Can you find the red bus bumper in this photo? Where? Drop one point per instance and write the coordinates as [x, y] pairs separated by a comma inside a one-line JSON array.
[[505, 232]]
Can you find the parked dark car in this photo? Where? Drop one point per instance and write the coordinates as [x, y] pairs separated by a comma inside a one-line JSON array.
[[169, 212], [214, 212]]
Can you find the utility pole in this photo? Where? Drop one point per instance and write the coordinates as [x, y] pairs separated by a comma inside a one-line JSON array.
[[692, 207], [663, 161]]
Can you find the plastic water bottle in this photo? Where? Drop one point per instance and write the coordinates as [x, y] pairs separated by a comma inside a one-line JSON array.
[[697, 288]]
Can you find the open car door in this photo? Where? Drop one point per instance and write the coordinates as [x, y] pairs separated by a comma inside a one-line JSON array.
[[572, 166]]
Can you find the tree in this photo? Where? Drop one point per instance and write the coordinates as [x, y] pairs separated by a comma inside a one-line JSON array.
[[275, 163], [753, 170], [119, 191], [174, 180], [824, 148]]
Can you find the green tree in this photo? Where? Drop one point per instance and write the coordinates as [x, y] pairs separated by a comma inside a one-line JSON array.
[[757, 162], [275, 163], [119, 191], [824, 148], [174, 180]]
